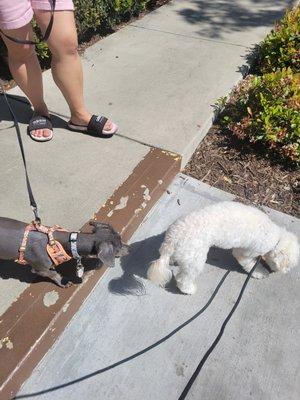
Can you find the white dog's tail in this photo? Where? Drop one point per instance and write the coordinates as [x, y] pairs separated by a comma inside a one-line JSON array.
[[159, 271]]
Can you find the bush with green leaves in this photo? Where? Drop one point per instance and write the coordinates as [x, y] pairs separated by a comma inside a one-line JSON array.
[[95, 14], [281, 48], [266, 109]]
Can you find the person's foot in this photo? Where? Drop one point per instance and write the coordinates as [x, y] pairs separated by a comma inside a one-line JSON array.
[[41, 134], [84, 119]]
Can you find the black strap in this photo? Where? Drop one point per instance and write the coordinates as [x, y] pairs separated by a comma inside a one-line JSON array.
[[29, 189], [47, 33], [96, 125], [156, 344], [220, 334], [39, 122], [135, 355]]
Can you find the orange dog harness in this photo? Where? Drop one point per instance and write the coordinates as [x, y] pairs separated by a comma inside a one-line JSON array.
[[55, 249]]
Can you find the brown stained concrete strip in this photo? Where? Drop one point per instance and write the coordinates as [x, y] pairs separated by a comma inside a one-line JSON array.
[[32, 324]]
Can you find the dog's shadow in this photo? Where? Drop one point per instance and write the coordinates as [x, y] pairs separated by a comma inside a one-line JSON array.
[[12, 270], [136, 263], [22, 273]]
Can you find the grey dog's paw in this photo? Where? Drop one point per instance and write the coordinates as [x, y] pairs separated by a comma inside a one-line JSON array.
[[65, 283]]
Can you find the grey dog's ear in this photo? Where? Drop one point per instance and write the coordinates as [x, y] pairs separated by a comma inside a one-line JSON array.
[[98, 224], [106, 254]]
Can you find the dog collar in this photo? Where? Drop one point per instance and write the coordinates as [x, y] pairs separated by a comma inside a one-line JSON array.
[[73, 242], [75, 254]]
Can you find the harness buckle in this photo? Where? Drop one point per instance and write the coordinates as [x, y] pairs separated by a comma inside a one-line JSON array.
[[37, 219]]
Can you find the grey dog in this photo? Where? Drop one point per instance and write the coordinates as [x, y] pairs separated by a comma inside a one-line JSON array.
[[103, 243]]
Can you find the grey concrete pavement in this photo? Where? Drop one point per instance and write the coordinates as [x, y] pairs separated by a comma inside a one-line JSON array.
[[257, 358], [157, 78], [240, 22]]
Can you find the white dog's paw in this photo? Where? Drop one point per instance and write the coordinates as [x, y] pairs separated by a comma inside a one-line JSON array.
[[259, 275], [187, 287], [260, 272]]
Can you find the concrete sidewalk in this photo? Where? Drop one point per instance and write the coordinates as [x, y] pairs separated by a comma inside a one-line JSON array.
[[157, 78], [257, 358]]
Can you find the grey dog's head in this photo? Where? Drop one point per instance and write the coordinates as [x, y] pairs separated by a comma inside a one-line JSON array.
[[107, 243]]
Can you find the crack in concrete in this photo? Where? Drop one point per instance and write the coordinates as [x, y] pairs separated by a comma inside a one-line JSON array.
[[201, 38]]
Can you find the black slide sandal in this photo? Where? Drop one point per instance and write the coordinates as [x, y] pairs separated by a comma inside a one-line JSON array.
[[38, 122], [95, 127]]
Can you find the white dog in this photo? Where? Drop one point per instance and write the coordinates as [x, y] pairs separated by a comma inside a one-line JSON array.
[[228, 225]]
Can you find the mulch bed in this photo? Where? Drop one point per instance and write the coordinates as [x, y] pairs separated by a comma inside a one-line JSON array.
[[223, 161]]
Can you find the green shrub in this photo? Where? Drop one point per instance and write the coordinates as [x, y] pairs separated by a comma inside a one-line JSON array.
[[281, 48], [266, 109], [95, 14]]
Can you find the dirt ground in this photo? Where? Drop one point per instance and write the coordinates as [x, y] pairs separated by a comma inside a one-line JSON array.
[[223, 161]]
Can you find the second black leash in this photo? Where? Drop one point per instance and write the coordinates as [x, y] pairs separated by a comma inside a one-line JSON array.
[[220, 334], [32, 201]]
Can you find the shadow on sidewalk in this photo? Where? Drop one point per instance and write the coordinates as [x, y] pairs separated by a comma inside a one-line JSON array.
[[12, 270], [136, 263], [215, 18], [23, 112]]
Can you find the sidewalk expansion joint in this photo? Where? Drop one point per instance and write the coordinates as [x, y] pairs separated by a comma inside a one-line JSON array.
[[201, 38], [140, 142]]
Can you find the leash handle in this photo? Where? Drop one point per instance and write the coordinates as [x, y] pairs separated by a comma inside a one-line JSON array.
[[32, 201], [47, 32]]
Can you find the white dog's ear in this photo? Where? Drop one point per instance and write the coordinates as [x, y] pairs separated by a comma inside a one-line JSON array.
[[285, 254]]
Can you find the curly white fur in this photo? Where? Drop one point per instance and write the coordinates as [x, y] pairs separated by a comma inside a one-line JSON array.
[[228, 225]]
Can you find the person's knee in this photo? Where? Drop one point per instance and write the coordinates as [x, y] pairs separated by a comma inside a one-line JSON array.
[[21, 54], [67, 47]]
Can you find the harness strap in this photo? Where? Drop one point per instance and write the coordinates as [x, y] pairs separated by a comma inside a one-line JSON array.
[[21, 259], [54, 248]]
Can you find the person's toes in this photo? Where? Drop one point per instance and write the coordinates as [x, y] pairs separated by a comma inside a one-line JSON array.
[[46, 133], [108, 126], [35, 133]]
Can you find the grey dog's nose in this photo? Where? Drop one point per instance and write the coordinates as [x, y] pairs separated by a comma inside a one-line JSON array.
[[125, 249]]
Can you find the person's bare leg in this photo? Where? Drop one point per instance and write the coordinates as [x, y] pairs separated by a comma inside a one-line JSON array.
[[66, 64], [26, 71]]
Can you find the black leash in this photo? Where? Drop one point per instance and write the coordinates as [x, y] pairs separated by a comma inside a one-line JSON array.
[[133, 356], [159, 342], [47, 33], [32, 201], [217, 339]]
